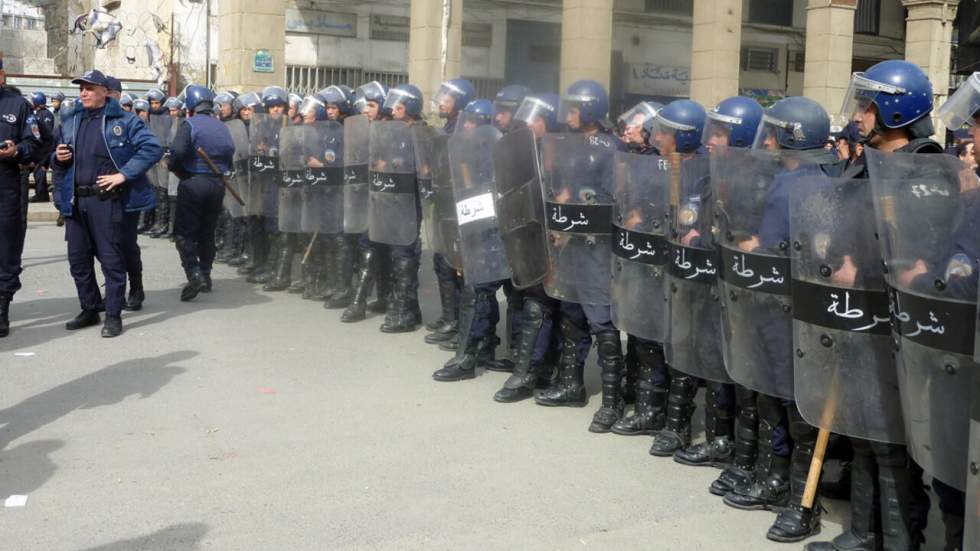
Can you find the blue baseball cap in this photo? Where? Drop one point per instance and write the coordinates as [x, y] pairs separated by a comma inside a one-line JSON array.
[[94, 77], [113, 84]]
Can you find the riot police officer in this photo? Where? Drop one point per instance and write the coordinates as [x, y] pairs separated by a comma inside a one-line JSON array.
[[889, 106], [264, 135], [46, 126], [505, 105], [244, 107], [173, 109], [449, 101], [18, 143], [532, 346], [103, 153], [579, 179], [633, 126], [201, 192]]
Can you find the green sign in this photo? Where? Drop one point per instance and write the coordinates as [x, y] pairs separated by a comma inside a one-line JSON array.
[[263, 62]]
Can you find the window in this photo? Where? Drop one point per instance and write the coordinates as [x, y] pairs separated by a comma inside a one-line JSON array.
[[760, 59], [799, 62], [304, 79], [670, 7], [867, 16], [771, 13]]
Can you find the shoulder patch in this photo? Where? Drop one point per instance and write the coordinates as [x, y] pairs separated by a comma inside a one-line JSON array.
[[117, 130], [9, 117]]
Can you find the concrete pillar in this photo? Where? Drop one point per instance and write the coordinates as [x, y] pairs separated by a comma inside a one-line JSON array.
[[829, 51], [716, 45], [435, 44], [928, 35], [586, 41], [244, 27]]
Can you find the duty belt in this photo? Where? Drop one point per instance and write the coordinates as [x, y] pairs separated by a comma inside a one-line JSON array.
[[96, 191]]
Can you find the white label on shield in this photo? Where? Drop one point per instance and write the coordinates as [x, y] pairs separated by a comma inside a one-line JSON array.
[[475, 208]]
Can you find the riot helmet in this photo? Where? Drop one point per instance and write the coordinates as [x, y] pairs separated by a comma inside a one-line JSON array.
[[335, 97], [793, 123], [506, 102], [198, 99], [38, 99], [372, 92], [734, 122], [630, 123], [539, 113], [585, 104], [901, 94], [452, 97], [404, 100], [312, 109], [476, 113], [677, 127]]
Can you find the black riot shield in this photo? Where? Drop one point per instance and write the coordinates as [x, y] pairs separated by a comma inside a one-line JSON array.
[[751, 194], [923, 220], [162, 128], [639, 247], [520, 211], [445, 226], [576, 172], [323, 175], [239, 172], [356, 153], [474, 187], [844, 372], [293, 167], [693, 344], [264, 172], [393, 216]]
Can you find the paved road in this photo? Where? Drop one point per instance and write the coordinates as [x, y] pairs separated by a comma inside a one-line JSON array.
[[257, 421]]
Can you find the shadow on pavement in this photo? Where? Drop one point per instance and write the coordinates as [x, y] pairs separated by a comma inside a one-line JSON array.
[[26, 467], [178, 537]]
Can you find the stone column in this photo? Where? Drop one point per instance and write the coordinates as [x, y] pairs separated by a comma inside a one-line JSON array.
[[829, 51], [586, 41], [716, 45], [435, 44], [245, 27], [928, 35]]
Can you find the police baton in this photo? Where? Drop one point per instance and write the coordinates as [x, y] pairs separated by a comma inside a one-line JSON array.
[[218, 173]]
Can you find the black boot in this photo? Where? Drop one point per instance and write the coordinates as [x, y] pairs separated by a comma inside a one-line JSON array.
[[520, 385], [680, 408], [147, 219], [173, 217], [611, 366], [860, 535], [463, 364], [134, 302], [444, 328], [740, 473], [228, 246], [357, 310], [651, 399], [796, 523], [404, 315], [4, 316], [311, 272], [955, 531], [306, 265], [259, 241], [244, 253], [631, 378], [569, 387], [343, 272], [383, 285], [187, 250], [162, 214], [323, 283], [770, 487], [282, 271], [267, 270], [719, 446], [894, 487]]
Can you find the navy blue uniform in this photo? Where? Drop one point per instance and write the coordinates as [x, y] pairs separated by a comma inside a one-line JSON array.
[[201, 193], [46, 126], [16, 126]]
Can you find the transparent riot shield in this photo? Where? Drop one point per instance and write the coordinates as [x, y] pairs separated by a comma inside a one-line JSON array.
[[576, 172], [162, 128], [293, 140], [393, 216], [445, 227], [239, 173], [751, 193], [923, 220], [971, 541], [264, 172], [639, 247], [693, 343], [356, 153], [844, 372], [471, 162], [423, 137], [520, 211], [323, 174]]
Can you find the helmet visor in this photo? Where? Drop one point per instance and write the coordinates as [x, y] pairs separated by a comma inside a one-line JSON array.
[[960, 109], [633, 119], [860, 95], [311, 106], [767, 136], [446, 99], [250, 99], [718, 125], [532, 108], [468, 120], [397, 97]]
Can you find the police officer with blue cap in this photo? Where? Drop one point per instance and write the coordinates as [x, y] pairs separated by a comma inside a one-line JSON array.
[[45, 124], [201, 192], [103, 154], [18, 144]]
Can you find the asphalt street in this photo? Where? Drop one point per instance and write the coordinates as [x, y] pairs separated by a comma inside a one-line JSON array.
[[248, 420]]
